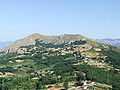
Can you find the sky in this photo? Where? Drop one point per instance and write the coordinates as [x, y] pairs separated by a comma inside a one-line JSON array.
[[91, 18]]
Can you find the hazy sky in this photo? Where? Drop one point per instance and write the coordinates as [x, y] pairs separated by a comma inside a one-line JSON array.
[[92, 18]]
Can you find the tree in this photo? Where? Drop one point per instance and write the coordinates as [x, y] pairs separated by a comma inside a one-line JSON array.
[[38, 85], [80, 76], [65, 85]]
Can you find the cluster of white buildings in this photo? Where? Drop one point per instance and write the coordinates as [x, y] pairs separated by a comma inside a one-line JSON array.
[[85, 85]]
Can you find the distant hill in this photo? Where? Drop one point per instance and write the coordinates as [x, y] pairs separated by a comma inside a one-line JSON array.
[[113, 42], [4, 44], [61, 39]]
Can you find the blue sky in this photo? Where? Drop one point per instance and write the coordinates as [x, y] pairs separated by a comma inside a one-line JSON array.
[[92, 18]]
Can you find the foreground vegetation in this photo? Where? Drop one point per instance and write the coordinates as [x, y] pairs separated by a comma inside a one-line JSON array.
[[42, 66]]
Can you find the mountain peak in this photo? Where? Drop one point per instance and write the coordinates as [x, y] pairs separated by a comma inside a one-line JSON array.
[[36, 34], [30, 40]]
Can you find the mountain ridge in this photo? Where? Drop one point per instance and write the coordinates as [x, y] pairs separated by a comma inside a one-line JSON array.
[[60, 39], [113, 42]]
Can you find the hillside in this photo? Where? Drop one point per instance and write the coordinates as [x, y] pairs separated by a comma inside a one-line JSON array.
[[30, 40], [68, 61], [113, 42]]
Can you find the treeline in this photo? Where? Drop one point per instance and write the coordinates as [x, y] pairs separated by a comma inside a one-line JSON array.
[[52, 45]]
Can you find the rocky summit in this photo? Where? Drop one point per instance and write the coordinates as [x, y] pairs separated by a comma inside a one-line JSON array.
[[30, 40]]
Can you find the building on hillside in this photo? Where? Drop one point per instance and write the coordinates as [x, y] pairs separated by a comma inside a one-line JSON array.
[[92, 83], [84, 82], [52, 88], [84, 87]]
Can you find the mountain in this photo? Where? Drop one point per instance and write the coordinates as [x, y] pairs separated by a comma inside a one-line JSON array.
[[30, 40], [64, 62], [4, 44], [113, 42]]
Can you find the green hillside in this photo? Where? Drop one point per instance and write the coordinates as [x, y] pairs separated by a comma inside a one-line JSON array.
[[45, 65]]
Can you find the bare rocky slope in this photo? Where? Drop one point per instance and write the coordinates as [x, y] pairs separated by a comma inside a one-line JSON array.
[[30, 40]]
